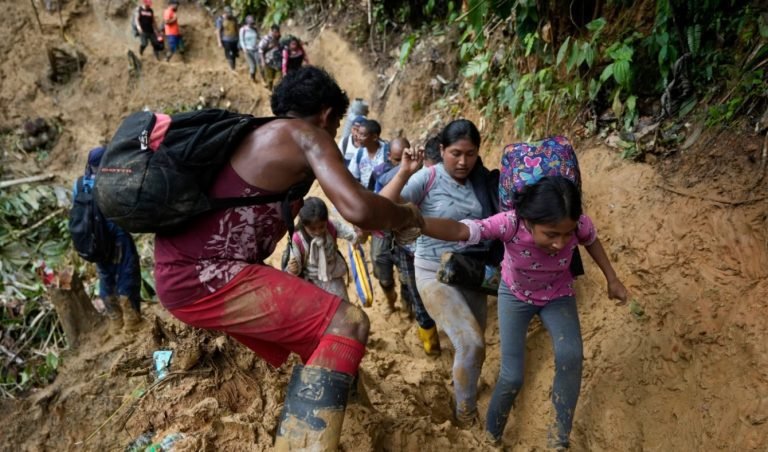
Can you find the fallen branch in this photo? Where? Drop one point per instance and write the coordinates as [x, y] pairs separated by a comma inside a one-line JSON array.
[[37, 16], [709, 199], [389, 82], [25, 180], [12, 356], [24, 232]]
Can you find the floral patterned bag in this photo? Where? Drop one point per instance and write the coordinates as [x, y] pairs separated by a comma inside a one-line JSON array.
[[525, 163]]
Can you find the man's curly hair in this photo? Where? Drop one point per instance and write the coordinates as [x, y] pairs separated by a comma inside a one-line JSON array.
[[306, 92]]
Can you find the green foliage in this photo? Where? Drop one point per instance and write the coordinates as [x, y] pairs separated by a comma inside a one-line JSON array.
[[600, 63], [33, 236], [271, 11], [406, 48]]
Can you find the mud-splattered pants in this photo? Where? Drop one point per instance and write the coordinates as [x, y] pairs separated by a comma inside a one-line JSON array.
[[561, 319], [462, 315]]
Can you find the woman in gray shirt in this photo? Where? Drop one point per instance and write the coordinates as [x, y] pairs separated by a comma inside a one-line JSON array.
[[447, 192]]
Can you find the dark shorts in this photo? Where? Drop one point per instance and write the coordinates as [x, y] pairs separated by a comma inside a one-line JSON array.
[[271, 312]]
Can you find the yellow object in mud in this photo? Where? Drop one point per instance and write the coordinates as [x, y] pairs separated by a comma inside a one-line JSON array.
[[360, 275], [431, 340]]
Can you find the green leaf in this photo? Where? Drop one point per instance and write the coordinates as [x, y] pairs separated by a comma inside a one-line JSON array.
[[52, 361], [596, 25], [617, 106], [607, 73], [563, 49], [590, 55], [631, 103], [405, 49], [573, 58], [621, 73]]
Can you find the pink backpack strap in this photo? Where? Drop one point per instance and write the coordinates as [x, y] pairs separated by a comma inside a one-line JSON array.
[[299, 242], [162, 123], [430, 183]]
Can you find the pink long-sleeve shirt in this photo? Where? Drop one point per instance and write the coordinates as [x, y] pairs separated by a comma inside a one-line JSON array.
[[533, 275]]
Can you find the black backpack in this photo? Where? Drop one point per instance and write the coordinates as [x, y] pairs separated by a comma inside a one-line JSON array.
[[146, 190], [89, 229]]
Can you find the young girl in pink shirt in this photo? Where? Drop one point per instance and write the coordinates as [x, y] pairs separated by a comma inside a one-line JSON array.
[[539, 237]]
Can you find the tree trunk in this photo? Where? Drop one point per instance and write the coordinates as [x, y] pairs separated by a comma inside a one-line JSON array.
[[76, 313]]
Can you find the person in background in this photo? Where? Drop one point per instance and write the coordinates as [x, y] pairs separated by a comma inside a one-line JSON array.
[[432, 151], [172, 30], [404, 255], [270, 55], [120, 277], [249, 43], [314, 254], [227, 35], [351, 143], [372, 151], [294, 56], [357, 107], [147, 28]]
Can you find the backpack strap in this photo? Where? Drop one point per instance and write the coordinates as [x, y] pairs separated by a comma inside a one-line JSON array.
[[344, 143], [430, 183]]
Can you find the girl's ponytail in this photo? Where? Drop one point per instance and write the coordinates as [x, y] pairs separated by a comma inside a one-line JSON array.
[[548, 201]]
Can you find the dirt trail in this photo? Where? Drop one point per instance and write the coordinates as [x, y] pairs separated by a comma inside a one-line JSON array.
[[691, 374]]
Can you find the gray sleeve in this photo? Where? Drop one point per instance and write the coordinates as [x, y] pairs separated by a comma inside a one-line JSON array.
[[415, 190]]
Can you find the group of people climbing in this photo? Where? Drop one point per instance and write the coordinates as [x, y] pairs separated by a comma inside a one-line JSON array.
[[420, 204], [269, 56], [145, 26]]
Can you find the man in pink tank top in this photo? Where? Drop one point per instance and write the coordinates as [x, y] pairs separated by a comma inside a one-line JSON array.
[[211, 274]]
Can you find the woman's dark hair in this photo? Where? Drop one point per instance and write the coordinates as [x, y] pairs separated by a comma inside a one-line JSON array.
[[432, 149], [306, 91], [549, 201], [459, 129], [314, 209]]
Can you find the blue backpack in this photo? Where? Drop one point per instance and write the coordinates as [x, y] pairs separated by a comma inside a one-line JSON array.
[[90, 232]]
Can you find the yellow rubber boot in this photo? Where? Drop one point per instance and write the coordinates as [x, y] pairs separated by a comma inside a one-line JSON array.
[[431, 340]]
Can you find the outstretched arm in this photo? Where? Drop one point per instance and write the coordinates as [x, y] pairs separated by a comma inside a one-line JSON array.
[[357, 205], [445, 229], [616, 290]]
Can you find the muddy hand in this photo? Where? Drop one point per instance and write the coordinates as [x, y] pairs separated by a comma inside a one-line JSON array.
[[412, 230], [417, 220], [617, 291]]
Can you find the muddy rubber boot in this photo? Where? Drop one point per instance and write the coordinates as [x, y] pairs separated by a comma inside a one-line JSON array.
[[114, 314], [431, 340], [313, 413], [391, 295], [131, 318]]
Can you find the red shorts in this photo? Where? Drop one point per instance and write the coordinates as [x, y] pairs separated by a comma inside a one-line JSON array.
[[271, 312]]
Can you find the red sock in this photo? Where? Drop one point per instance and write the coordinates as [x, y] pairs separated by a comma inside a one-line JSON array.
[[337, 353]]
